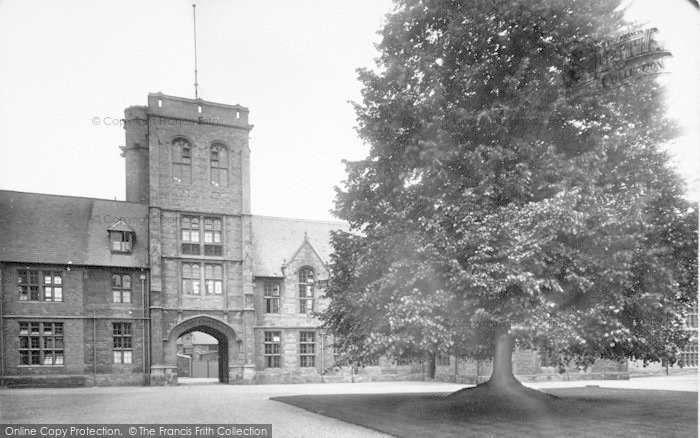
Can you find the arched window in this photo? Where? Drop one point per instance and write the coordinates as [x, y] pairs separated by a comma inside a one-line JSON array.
[[306, 290], [182, 161], [219, 165]]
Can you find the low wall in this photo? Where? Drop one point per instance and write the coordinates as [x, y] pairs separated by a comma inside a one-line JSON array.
[[71, 381]]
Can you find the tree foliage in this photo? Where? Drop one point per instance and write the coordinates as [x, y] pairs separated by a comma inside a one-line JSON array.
[[494, 195]]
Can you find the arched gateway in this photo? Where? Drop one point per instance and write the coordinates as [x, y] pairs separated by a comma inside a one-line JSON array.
[[221, 331]]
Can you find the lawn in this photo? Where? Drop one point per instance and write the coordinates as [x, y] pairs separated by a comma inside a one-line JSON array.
[[588, 411]]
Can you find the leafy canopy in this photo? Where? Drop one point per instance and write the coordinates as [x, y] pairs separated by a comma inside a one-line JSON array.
[[494, 195]]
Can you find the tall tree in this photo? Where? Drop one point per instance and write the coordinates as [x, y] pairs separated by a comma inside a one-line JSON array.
[[500, 205]]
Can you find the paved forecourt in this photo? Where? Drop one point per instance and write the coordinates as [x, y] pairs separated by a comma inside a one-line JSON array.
[[238, 404], [220, 404]]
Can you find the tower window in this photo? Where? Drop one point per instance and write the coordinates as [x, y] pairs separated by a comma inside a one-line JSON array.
[[219, 165], [191, 278], [182, 161], [306, 290], [212, 236], [206, 240], [189, 232], [213, 279]]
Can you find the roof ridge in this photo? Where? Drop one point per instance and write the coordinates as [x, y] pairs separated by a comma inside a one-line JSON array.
[[298, 219], [70, 196]]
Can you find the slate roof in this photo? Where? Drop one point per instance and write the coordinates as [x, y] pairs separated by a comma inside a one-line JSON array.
[[54, 229], [276, 240]]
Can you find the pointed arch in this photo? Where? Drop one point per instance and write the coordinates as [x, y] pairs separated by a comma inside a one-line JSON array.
[[220, 330]]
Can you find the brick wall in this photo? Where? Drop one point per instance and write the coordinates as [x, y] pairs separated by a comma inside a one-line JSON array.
[[87, 292]]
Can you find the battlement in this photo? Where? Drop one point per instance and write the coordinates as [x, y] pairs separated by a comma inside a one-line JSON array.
[[197, 110]]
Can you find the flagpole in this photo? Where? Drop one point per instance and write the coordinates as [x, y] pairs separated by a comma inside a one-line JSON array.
[[194, 22]]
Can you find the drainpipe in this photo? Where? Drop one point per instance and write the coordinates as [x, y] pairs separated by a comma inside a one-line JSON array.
[[244, 344], [2, 329], [94, 349], [323, 350], [148, 330], [142, 277]]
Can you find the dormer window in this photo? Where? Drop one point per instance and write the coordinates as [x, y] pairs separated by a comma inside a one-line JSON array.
[[121, 241], [121, 238]]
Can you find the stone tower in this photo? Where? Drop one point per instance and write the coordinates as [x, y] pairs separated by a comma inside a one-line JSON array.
[[188, 160]]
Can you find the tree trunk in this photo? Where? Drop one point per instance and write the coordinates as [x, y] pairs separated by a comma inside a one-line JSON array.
[[502, 386], [502, 372], [431, 365]]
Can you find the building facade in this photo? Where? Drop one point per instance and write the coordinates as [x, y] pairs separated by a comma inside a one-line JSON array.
[[73, 309], [98, 292]]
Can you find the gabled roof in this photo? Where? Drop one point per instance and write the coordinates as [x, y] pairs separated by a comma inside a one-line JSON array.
[[303, 245], [54, 229], [120, 225], [276, 241]]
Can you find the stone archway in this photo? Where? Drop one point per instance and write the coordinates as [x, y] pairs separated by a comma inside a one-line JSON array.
[[221, 331]]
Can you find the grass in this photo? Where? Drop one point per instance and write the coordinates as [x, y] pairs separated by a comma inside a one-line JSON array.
[[588, 411]]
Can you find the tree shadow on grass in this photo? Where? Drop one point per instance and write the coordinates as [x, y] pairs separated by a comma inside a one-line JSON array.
[[525, 405], [570, 411]]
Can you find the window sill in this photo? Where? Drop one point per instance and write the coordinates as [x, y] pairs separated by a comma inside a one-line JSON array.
[[196, 257], [40, 366], [203, 296]]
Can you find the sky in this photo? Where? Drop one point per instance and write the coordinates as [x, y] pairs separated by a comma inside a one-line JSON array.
[[292, 63]]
